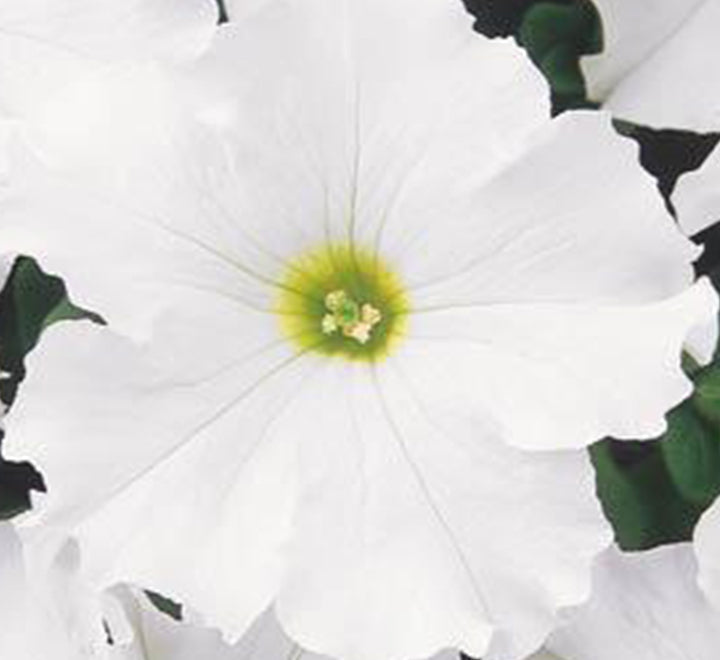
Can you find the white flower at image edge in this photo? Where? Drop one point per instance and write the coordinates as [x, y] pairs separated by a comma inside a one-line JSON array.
[[697, 195], [707, 546], [48, 612], [6, 263], [644, 606], [44, 612], [653, 69], [361, 330]]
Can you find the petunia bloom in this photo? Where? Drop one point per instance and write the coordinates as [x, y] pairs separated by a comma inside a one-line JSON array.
[[362, 326], [654, 68], [645, 606]]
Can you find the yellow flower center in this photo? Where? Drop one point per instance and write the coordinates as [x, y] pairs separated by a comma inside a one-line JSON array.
[[342, 301]]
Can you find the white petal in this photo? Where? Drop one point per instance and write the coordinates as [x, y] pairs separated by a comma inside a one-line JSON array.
[[654, 68], [553, 375], [702, 341], [45, 44], [169, 238], [553, 226], [158, 637], [173, 483], [267, 640], [14, 597], [108, 124], [697, 196], [6, 263], [645, 606], [46, 610], [544, 654], [238, 9], [410, 535], [394, 96], [631, 32], [707, 549]]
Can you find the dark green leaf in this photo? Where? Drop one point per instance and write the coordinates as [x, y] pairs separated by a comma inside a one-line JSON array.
[[556, 36], [498, 18], [16, 482], [639, 497], [691, 446], [691, 451], [165, 605]]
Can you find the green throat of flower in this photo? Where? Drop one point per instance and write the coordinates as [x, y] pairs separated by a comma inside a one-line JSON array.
[[342, 301]]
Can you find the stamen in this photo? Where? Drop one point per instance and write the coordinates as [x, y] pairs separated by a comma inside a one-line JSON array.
[[329, 324], [355, 321]]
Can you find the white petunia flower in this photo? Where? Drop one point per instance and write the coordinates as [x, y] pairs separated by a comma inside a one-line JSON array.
[[655, 66], [645, 606], [654, 71], [361, 329], [707, 546]]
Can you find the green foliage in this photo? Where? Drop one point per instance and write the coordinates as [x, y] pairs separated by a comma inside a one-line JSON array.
[[222, 11], [556, 36], [654, 492], [691, 447], [498, 18], [639, 496], [16, 482]]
